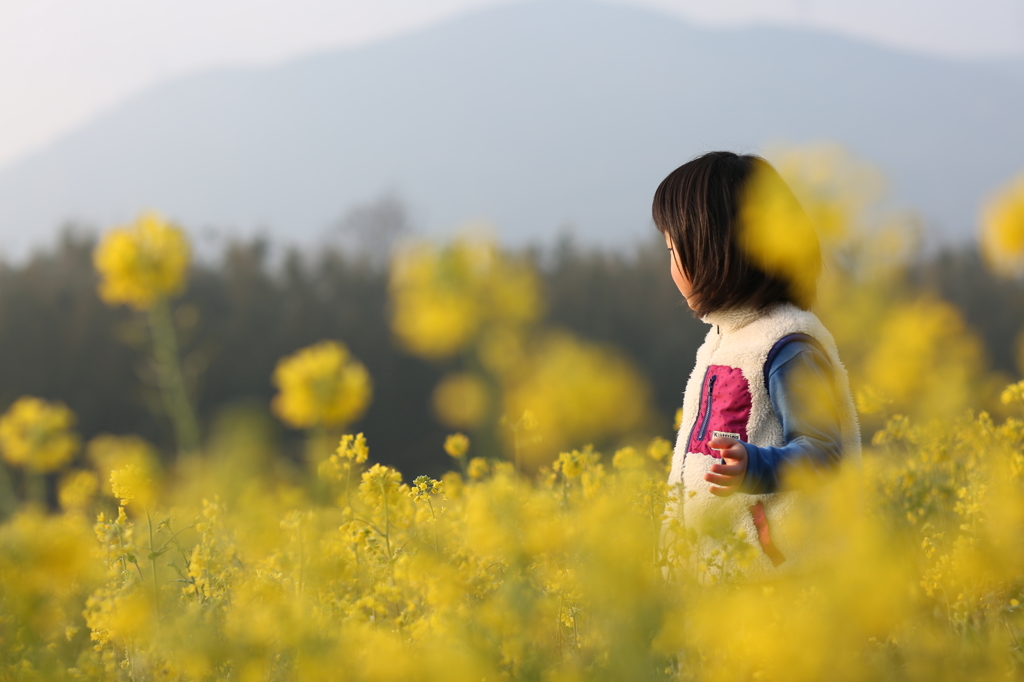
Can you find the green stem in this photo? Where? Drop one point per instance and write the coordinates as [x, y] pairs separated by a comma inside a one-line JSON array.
[[8, 499], [387, 527], [657, 528], [302, 559], [515, 447], [172, 381], [387, 533], [35, 488], [348, 486], [318, 448], [433, 518], [152, 561]]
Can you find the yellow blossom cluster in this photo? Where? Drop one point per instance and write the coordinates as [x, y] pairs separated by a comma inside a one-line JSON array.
[[456, 445], [131, 484], [474, 301], [777, 233], [462, 400], [37, 435], [131, 466], [381, 486], [424, 487], [478, 468], [906, 350], [142, 262], [77, 489], [1002, 228], [444, 298], [351, 451], [576, 390], [321, 385], [628, 458], [1013, 395], [581, 573]]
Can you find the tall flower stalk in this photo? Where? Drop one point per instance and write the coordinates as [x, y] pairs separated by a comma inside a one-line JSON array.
[[321, 388], [35, 435], [144, 265], [171, 378]]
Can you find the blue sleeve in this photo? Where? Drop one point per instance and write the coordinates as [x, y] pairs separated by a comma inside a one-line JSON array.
[[811, 432]]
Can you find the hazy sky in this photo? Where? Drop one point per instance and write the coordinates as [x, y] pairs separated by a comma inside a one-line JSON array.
[[62, 61]]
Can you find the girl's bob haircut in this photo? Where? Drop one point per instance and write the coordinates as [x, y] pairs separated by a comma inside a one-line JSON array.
[[734, 253]]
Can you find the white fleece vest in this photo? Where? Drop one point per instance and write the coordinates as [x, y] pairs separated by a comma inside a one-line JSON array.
[[726, 395]]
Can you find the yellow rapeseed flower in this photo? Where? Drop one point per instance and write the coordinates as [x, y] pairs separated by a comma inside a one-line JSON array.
[[870, 401], [381, 485], [1013, 394], [351, 450], [835, 189], [36, 434], [45, 559], [1002, 228], [778, 235], [627, 458], [436, 311], [321, 385], [109, 452], [924, 359], [142, 262], [478, 468], [443, 298], [133, 484], [453, 484], [77, 489], [461, 400], [578, 392], [573, 464], [659, 449], [456, 445], [423, 487]]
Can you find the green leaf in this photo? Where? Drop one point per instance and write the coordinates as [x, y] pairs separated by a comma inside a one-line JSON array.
[[156, 554]]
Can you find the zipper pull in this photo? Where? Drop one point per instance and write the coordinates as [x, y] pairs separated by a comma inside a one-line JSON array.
[[707, 408]]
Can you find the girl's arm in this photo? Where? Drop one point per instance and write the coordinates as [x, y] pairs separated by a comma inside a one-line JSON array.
[[803, 396]]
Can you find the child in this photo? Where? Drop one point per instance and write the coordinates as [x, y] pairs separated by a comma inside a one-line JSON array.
[[768, 393]]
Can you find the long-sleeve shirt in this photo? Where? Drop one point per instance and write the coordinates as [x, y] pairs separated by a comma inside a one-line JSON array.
[[803, 396]]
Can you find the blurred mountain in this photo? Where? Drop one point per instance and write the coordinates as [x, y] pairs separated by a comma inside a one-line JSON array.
[[534, 116]]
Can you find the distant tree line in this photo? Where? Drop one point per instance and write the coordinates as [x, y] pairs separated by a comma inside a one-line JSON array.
[[240, 315]]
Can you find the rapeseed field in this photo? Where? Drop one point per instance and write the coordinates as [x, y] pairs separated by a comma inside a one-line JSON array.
[[551, 550]]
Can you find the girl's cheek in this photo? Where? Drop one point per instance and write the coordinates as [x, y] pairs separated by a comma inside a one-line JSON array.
[[682, 284]]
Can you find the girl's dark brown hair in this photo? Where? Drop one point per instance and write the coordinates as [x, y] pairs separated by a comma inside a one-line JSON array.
[[699, 206]]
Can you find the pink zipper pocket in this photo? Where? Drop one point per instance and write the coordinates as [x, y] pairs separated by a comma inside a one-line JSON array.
[[725, 405]]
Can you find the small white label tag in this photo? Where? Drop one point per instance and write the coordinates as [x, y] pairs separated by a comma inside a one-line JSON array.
[[725, 434]]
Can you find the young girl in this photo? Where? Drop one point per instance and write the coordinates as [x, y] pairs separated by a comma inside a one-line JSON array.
[[768, 394]]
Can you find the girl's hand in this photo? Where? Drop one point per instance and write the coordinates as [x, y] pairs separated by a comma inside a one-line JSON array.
[[727, 478]]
